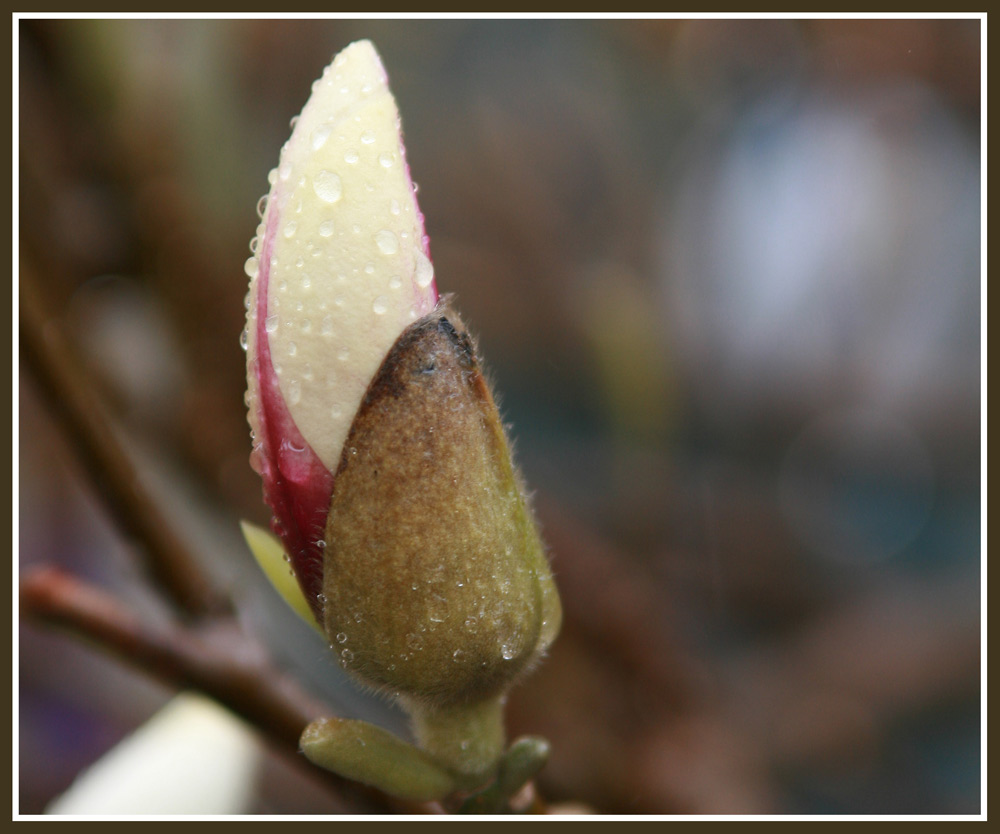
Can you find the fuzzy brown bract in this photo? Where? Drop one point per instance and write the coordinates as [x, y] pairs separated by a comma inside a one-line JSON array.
[[436, 583]]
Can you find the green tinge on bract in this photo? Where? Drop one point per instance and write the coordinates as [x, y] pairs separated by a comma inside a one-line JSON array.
[[368, 754], [270, 555]]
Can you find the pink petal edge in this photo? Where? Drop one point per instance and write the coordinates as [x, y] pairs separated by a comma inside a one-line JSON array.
[[297, 486]]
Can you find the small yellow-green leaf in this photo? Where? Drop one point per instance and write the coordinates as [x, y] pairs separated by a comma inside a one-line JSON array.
[[365, 753], [270, 555]]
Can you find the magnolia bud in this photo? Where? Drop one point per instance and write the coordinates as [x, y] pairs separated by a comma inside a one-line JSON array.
[[382, 454]]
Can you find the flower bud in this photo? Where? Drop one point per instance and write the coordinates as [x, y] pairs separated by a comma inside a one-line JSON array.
[[381, 450]]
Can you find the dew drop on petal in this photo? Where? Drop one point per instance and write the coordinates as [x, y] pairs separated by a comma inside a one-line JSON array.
[[425, 270], [326, 228], [395, 282], [284, 170], [244, 339], [328, 186], [271, 323], [320, 135], [326, 326], [341, 637], [351, 157], [380, 305], [367, 137], [251, 267], [290, 228], [272, 176], [394, 206], [262, 206], [386, 242], [292, 349], [294, 392], [385, 160]]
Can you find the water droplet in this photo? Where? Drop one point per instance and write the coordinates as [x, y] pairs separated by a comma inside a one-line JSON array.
[[326, 326], [394, 206], [471, 623], [321, 544], [380, 305], [425, 270], [244, 340], [357, 617], [284, 170], [282, 285], [413, 642], [346, 656], [386, 242], [457, 655], [262, 206], [344, 354], [395, 282], [271, 323], [369, 269], [292, 349], [294, 121], [246, 301], [300, 262], [272, 176], [253, 244], [320, 135], [326, 228], [327, 186], [367, 137], [294, 392], [341, 637], [351, 157], [507, 651], [290, 228], [385, 160], [251, 267]]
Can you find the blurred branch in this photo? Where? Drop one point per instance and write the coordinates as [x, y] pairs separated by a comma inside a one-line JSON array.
[[69, 394], [216, 658]]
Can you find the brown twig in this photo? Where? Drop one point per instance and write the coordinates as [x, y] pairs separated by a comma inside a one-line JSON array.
[[70, 396], [216, 658]]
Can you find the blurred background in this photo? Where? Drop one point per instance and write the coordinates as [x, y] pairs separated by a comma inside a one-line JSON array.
[[726, 277]]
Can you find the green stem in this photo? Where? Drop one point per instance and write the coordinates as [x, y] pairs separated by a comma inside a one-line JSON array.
[[467, 739]]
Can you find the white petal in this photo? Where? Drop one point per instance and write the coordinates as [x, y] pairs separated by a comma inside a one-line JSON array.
[[348, 267], [192, 757]]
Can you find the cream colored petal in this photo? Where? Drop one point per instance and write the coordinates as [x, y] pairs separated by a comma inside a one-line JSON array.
[[343, 257]]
